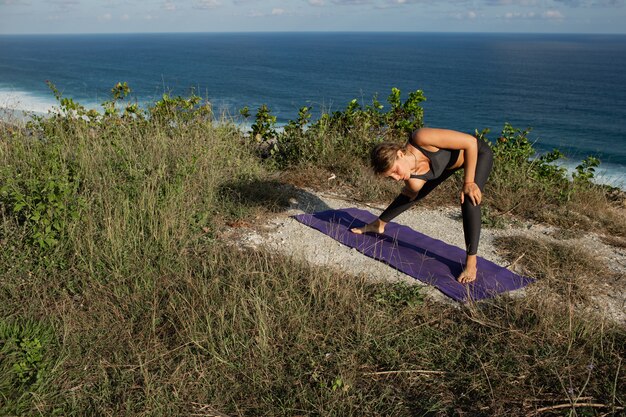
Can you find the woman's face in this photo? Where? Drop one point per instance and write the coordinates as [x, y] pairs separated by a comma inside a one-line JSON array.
[[401, 168]]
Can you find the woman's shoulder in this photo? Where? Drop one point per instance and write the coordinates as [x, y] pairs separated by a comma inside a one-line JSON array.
[[428, 134], [417, 135], [424, 138], [436, 138]]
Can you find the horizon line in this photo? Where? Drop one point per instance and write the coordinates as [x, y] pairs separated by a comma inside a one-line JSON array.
[[313, 32]]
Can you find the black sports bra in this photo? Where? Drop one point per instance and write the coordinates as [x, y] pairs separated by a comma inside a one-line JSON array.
[[439, 161]]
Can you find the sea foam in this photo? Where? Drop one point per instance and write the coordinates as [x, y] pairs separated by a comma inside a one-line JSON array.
[[24, 101]]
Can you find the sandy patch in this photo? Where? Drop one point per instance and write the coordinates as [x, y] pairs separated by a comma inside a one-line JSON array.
[[285, 235]]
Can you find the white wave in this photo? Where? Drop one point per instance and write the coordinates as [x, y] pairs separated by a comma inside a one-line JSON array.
[[615, 177], [25, 101], [606, 173]]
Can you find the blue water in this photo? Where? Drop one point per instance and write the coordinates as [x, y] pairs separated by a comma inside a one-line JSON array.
[[571, 89]]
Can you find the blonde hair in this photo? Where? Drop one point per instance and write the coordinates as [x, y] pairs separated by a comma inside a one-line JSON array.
[[384, 155]]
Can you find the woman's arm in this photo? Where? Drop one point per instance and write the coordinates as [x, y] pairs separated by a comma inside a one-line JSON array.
[[452, 139]]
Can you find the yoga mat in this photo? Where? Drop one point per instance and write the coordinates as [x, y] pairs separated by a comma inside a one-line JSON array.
[[429, 260]]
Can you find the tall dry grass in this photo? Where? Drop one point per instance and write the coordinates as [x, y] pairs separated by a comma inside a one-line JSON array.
[[141, 309]]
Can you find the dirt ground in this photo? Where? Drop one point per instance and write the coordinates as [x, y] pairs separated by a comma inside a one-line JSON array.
[[283, 234]]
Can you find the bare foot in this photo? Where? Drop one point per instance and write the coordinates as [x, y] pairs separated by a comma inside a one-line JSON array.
[[469, 272], [468, 275], [377, 226]]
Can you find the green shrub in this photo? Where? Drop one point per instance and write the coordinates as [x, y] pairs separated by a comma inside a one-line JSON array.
[[44, 199], [522, 180], [585, 171], [513, 148], [263, 128], [398, 294], [26, 361], [352, 131]]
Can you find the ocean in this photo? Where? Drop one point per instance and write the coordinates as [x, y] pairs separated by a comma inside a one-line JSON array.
[[569, 88]]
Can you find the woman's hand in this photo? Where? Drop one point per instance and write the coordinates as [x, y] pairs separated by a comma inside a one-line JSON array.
[[377, 226], [473, 192]]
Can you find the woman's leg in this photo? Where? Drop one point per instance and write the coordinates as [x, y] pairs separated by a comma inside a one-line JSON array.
[[471, 213], [403, 202]]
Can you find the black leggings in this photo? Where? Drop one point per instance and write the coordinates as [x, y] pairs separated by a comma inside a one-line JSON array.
[[471, 213]]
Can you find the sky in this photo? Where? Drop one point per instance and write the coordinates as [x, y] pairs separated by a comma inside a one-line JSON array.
[[119, 16]]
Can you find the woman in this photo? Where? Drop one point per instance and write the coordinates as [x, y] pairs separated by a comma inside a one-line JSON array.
[[431, 156]]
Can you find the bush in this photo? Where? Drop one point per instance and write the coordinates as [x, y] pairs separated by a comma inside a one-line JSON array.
[[26, 362], [352, 131], [45, 199], [162, 313]]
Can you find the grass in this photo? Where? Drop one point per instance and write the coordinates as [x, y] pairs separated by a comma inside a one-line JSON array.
[[140, 309]]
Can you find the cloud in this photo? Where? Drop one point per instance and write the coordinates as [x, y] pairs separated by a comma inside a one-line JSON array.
[[399, 3], [470, 3], [468, 15], [591, 3], [112, 3], [105, 17], [520, 15], [14, 3], [169, 6], [548, 15], [276, 11], [552, 14], [396, 3], [524, 3], [207, 4], [64, 4], [124, 17], [511, 2], [351, 2]]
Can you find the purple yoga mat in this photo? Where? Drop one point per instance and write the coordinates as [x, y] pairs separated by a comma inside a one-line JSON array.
[[429, 260]]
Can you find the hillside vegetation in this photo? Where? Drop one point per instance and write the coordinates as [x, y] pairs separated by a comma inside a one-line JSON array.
[[117, 296]]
